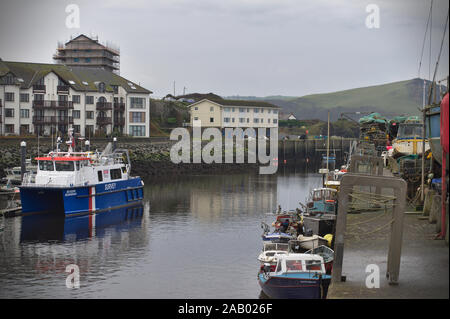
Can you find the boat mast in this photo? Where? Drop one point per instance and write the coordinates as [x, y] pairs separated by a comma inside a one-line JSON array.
[[328, 142]]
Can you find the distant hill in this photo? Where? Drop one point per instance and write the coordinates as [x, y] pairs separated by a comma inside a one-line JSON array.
[[391, 99]]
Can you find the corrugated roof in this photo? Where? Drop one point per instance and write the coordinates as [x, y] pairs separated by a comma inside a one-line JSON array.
[[33, 72]]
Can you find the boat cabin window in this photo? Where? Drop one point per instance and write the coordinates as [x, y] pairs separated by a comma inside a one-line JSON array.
[[313, 265], [100, 176], [64, 166], [294, 265], [115, 173], [46, 166]]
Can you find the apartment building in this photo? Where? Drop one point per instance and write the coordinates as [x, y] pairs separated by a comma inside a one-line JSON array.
[[88, 52], [223, 114], [37, 98]]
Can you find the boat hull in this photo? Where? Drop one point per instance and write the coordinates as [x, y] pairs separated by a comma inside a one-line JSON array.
[[293, 288], [81, 200]]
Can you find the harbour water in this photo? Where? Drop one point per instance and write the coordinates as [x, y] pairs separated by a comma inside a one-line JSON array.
[[195, 237]]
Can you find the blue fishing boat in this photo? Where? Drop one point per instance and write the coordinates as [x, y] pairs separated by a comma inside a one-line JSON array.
[[433, 129], [81, 183], [322, 201], [296, 276]]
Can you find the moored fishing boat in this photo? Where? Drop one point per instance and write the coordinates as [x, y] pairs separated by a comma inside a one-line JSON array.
[[296, 276], [326, 253], [78, 183]]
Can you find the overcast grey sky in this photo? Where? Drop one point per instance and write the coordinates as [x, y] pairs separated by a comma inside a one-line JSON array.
[[244, 47]]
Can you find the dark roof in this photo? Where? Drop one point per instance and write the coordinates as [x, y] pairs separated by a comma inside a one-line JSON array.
[[200, 96], [32, 72], [244, 103]]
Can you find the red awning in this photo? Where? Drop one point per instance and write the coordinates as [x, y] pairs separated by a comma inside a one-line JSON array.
[[48, 158]]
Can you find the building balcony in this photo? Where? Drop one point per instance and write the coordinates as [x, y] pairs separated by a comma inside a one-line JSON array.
[[38, 88], [119, 106], [119, 121], [62, 89], [40, 120], [47, 104], [104, 120], [104, 106]]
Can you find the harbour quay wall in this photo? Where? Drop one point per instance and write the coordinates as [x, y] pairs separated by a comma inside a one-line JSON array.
[[151, 156]]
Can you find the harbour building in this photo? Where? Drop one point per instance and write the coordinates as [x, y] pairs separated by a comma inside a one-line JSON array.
[[38, 98], [223, 113]]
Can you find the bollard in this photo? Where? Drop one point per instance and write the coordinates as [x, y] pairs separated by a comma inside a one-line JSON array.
[[23, 154]]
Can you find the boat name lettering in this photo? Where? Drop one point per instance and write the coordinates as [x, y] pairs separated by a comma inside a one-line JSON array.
[[71, 192], [110, 186]]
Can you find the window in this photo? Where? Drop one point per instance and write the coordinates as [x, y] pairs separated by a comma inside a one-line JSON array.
[[115, 88], [9, 79], [227, 109], [275, 121], [262, 110], [232, 120], [226, 119], [211, 120], [137, 117], [89, 99], [255, 110], [64, 166], [76, 129], [137, 102], [90, 115], [137, 130], [9, 96], [232, 109], [294, 265], [211, 109], [313, 265], [268, 121], [76, 59], [196, 118], [9, 128], [275, 111], [248, 120], [100, 176], [24, 113], [101, 87], [268, 111], [9, 112], [76, 114], [255, 120], [242, 120], [196, 108], [76, 99], [248, 110], [87, 60], [115, 173], [24, 97], [262, 120], [242, 110], [39, 97], [46, 166]]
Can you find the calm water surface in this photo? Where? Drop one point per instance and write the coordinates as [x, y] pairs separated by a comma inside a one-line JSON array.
[[195, 237]]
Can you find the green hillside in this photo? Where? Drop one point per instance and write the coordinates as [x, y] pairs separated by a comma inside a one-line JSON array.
[[397, 98]]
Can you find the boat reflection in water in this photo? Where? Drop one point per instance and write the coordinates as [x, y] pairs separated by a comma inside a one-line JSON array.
[[51, 227]]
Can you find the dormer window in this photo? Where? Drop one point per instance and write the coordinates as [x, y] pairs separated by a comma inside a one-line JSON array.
[[9, 79], [101, 87]]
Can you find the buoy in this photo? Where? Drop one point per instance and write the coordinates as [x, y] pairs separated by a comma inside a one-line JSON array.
[[328, 238]]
